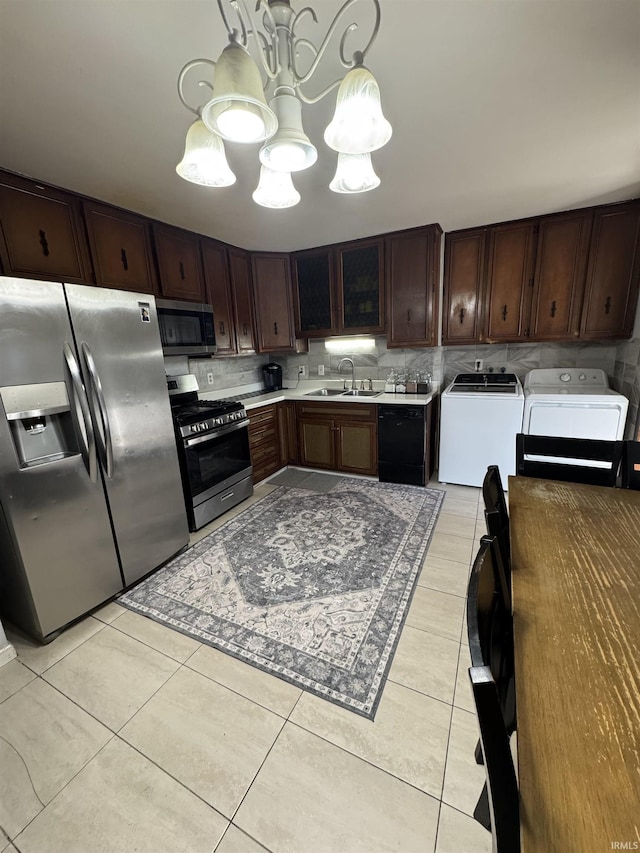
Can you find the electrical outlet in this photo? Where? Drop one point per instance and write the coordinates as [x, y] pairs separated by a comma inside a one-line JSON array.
[[321, 370], [302, 370], [478, 365], [210, 378]]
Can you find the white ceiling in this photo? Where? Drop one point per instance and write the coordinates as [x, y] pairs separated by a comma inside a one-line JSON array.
[[500, 109]]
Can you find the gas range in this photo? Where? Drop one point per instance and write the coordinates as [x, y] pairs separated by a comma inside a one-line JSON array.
[[213, 450]]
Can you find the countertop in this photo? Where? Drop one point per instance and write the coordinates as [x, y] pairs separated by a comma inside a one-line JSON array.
[[301, 393]]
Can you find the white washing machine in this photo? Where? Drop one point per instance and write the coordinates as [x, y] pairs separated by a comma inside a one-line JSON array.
[[573, 402], [480, 416]]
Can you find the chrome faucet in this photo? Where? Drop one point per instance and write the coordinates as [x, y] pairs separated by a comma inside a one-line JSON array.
[[353, 378]]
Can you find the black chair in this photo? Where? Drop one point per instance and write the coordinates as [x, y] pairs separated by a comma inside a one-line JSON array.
[[490, 633], [580, 449], [631, 465], [496, 516], [501, 786]]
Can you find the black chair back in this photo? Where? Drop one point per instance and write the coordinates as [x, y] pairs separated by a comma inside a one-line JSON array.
[[580, 449], [502, 785], [631, 465], [496, 516]]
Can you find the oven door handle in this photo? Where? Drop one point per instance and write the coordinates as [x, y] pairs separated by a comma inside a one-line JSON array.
[[190, 442]]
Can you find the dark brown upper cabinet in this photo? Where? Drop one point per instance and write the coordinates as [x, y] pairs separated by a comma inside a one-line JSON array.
[[360, 303], [314, 293], [273, 302], [411, 281], [218, 285], [41, 232], [613, 275], [120, 245], [464, 272], [561, 266], [240, 275], [510, 265], [178, 254]]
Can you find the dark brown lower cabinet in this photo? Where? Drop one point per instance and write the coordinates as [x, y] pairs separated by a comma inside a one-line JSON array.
[[264, 441], [288, 433], [339, 437]]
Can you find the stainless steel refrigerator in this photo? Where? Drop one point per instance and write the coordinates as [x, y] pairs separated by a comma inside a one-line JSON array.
[[90, 491]]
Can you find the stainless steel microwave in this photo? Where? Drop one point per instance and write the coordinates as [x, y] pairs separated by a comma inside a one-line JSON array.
[[186, 328]]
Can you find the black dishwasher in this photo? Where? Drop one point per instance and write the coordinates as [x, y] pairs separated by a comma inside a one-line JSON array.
[[402, 440]]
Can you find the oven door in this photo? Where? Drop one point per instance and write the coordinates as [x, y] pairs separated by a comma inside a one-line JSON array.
[[217, 460]]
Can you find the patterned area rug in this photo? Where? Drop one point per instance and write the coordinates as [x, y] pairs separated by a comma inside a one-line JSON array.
[[310, 585]]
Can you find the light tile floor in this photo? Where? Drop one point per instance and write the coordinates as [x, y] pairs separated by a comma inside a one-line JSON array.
[[123, 735]]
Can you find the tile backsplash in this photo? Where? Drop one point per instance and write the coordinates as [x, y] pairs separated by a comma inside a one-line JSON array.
[[621, 362]]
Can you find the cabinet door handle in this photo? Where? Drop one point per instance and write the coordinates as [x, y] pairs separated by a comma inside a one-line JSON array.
[[123, 258], [553, 308], [275, 328], [607, 305], [244, 330], [44, 243], [409, 315], [461, 315], [504, 312], [181, 267], [222, 327]]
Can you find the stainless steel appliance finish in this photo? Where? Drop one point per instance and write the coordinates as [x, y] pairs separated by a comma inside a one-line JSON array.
[[90, 490], [186, 328], [213, 446]]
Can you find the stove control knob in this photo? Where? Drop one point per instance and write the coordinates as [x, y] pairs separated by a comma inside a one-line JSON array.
[[194, 427], [218, 421]]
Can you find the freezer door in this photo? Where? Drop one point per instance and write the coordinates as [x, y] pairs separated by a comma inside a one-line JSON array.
[[121, 355], [56, 546]]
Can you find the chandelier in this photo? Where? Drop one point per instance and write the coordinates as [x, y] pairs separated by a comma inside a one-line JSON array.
[[243, 109]]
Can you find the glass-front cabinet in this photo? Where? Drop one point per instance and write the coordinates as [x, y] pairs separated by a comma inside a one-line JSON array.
[[339, 289]]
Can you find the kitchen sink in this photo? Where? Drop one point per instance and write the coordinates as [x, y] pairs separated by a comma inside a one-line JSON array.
[[360, 393], [325, 392]]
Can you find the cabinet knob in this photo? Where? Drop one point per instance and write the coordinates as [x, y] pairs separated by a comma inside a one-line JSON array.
[[409, 315], [44, 243], [181, 268], [504, 312], [275, 328], [607, 305], [553, 308], [461, 315], [123, 258], [221, 327]]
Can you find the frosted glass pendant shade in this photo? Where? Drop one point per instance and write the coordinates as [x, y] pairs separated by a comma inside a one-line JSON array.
[[238, 110], [358, 125], [204, 161], [354, 174], [275, 189], [290, 150]]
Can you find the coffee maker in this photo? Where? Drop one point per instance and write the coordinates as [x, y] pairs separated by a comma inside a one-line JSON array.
[[272, 376]]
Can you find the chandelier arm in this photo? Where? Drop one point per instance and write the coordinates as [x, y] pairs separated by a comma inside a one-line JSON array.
[[184, 72], [231, 31], [334, 25], [263, 47], [319, 97]]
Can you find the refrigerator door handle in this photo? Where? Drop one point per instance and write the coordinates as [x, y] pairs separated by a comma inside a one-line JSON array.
[[97, 401], [80, 415]]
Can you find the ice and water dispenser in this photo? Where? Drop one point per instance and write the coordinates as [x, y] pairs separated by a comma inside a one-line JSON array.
[[40, 421]]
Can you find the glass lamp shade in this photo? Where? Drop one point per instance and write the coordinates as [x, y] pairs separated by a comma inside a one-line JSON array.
[[204, 161], [238, 110], [290, 150], [358, 125], [354, 174], [275, 189]]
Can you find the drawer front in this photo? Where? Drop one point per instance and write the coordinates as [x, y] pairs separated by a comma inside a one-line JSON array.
[[262, 451], [267, 434], [339, 411], [257, 417], [265, 468]]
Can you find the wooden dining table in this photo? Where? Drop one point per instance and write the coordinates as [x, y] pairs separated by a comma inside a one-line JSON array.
[[576, 603]]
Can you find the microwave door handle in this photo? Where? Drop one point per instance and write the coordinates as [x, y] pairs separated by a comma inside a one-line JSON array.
[[97, 396], [81, 416]]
